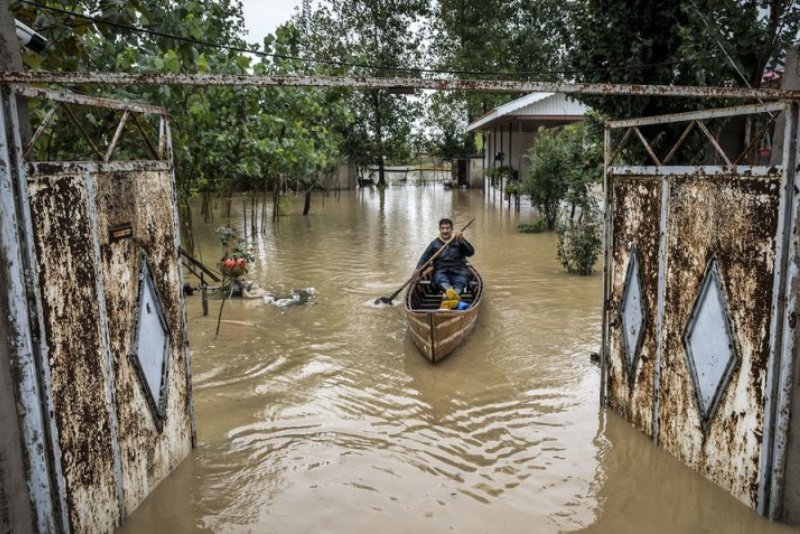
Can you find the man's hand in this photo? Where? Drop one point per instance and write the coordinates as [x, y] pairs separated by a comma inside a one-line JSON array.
[[457, 234], [419, 273]]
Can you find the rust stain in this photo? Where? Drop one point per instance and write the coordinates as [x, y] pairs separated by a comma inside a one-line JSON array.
[[68, 281], [636, 212], [441, 84], [734, 219], [144, 199]]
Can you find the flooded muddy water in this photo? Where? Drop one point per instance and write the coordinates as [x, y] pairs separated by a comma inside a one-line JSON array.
[[324, 417]]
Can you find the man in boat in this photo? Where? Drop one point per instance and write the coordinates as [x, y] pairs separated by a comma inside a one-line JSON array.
[[450, 271]]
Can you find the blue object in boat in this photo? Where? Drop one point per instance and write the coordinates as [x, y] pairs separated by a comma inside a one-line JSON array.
[[462, 306]]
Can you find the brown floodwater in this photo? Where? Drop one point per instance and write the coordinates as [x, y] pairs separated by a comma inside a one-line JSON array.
[[325, 418]]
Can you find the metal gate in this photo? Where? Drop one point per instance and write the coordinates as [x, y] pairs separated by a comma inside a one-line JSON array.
[[697, 335], [105, 384]]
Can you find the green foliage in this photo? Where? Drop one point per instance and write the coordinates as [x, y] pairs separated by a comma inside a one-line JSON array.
[[684, 42], [482, 38], [284, 205], [538, 226], [579, 241], [224, 138], [513, 188], [444, 125], [546, 179]]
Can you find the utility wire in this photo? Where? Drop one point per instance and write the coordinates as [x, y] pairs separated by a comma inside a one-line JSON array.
[[336, 63]]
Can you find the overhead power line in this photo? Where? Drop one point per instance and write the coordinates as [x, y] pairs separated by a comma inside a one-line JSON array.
[[336, 63]]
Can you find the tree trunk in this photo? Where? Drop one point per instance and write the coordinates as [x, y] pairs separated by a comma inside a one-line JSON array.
[[379, 135], [307, 204], [276, 200], [381, 173]]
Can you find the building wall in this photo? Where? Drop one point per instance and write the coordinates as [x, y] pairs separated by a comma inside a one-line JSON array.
[[475, 172], [513, 146], [344, 177]]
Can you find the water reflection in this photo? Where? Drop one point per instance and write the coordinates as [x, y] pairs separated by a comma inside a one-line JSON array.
[[325, 417]]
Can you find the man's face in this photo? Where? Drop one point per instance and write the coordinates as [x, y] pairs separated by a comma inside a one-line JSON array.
[[445, 230]]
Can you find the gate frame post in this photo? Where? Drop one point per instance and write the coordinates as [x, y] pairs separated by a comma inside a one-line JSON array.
[[779, 384], [23, 323], [607, 247]]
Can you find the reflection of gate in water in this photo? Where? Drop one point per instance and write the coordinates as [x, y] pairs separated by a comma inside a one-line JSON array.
[[700, 286], [105, 385]]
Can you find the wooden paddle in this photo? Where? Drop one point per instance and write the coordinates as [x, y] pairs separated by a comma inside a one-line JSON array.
[[390, 298]]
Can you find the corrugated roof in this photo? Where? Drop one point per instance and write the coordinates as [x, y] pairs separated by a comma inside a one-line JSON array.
[[528, 101]]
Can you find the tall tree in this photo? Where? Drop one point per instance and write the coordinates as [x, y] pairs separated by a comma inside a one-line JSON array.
[[494, 39], [377, 38], [683, 42]]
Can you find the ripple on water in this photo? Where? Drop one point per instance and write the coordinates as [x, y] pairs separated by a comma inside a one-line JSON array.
[[325, 418]]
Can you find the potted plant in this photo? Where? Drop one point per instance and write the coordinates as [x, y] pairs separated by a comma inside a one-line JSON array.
[[235, 259]]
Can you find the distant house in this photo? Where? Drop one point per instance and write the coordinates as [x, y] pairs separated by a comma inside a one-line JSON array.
[[509, 130]]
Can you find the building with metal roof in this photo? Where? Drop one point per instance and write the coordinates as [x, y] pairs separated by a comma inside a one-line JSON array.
[[510, 129]]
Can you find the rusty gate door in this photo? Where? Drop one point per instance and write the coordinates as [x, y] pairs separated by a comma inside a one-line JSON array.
[[106, 386], [697, 271]]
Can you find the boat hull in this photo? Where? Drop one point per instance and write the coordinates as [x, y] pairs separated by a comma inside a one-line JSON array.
[[437, 333]]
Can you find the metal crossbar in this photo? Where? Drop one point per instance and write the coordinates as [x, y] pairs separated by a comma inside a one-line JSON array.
[[395, 83], [756, 139], [680, 141], [86, 136], [647, 146], [40, 130], [714, 143], [144, 136], [695, 119], [620, 146], [117, 135]]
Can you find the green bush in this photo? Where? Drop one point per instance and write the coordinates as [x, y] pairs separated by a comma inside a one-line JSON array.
[[536, 227], [580, 240], [563, 164]]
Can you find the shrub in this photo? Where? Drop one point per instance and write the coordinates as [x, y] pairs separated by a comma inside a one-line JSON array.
[[580, 240], [563, 163], [536, 227]]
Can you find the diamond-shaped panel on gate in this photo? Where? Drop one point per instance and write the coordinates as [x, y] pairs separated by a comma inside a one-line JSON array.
[[632, 315], [709, 344], [151, 345]]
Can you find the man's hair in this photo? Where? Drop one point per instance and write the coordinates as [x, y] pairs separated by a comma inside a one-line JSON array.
[[446, 221]]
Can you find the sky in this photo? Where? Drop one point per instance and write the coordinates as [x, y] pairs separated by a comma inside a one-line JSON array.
[[261, 17]]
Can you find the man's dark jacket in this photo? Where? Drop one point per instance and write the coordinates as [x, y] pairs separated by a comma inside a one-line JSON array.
[[453, 258]]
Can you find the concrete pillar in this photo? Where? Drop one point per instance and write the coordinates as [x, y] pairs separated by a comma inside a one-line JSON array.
[[16, 511], [788, 509], [791, 80]]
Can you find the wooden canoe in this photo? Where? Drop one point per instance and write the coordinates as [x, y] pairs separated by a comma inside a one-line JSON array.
[[437, 332]]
